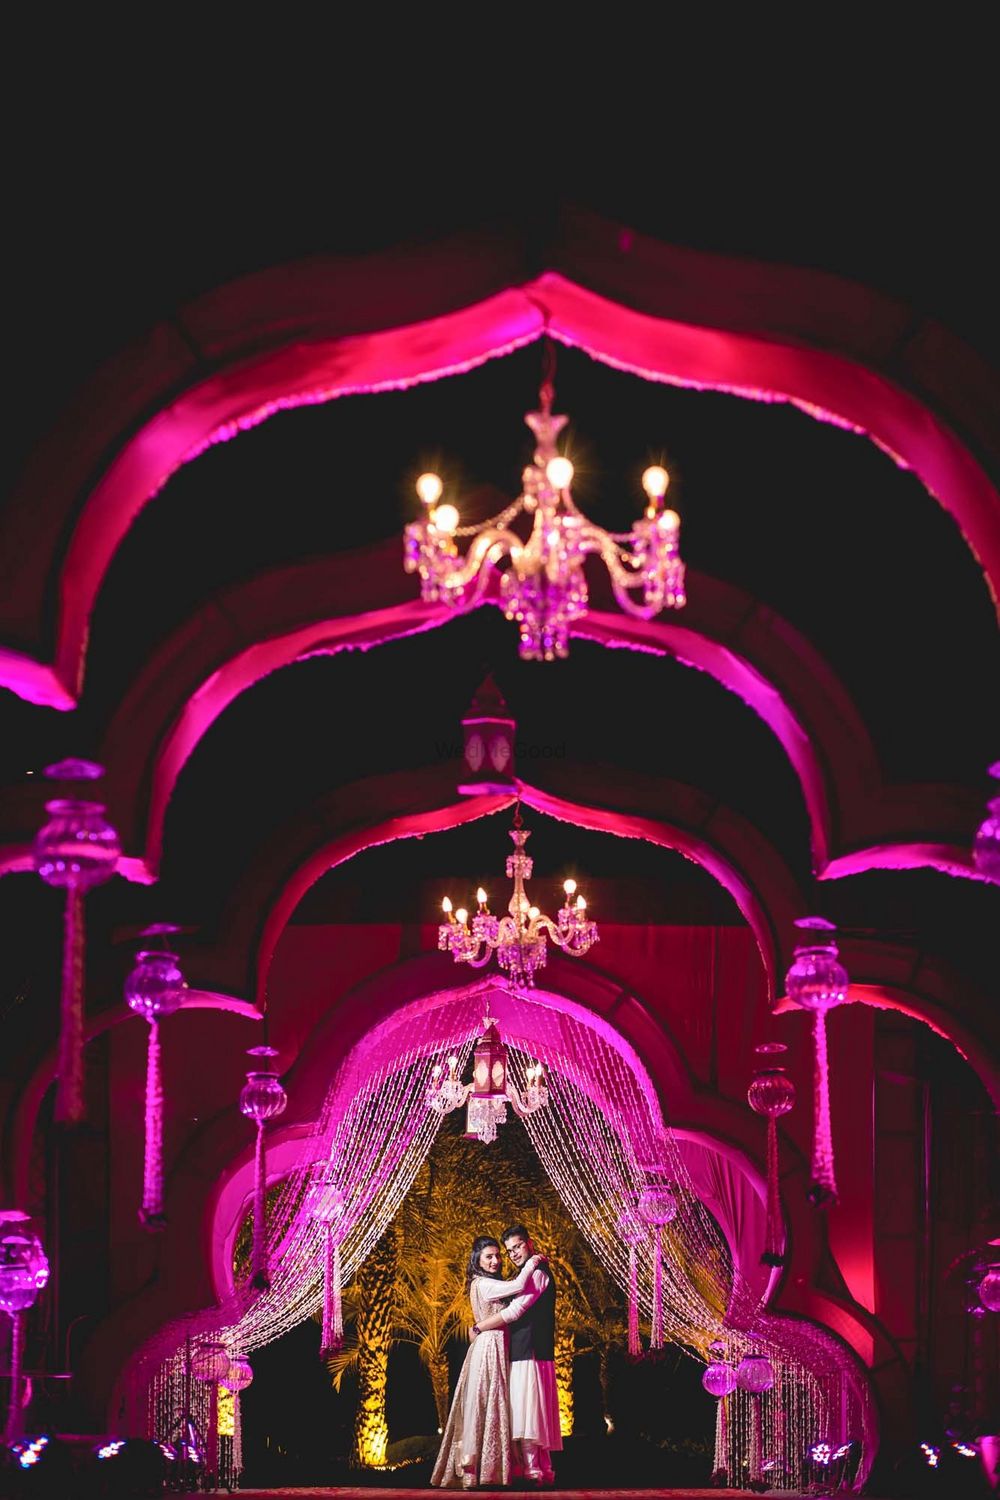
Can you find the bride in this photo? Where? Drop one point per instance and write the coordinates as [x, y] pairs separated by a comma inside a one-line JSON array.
[[476, 1447]]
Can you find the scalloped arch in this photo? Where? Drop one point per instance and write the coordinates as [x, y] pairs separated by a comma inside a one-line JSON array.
[[310, 332]]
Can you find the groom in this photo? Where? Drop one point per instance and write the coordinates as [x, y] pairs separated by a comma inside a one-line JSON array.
[[533, 1397]]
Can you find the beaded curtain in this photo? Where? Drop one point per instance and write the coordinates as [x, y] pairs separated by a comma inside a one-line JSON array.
[[602, 1142]]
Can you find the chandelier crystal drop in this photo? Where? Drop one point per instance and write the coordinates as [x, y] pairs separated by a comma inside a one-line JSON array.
[[519, 940], [491, 1089], [545, 588]]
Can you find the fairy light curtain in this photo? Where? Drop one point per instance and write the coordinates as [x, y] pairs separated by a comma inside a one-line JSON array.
[[602, 1143]]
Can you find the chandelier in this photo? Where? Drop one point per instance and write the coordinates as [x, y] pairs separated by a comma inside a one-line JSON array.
[[545, 589], [491, 1089], [519, 940]]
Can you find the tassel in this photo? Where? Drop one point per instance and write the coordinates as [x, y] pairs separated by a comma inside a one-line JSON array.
[[333, 1306], [656, 1323], [756, 1438], [69, 1089], [260, 1279], [212, 1439], [634, 1346], [774, 1232], [151, 1215], [13, 1428], [824, 1183]]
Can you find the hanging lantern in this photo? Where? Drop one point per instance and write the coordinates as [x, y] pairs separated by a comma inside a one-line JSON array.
[[986, 851], [261, 1099], [657, 1206], [989, 1289], [772, 1093], [755, 1374], [24, 1271], [719, 1379], [154, 989], [238, 1376], [633, 1234], [488, 734], [210, 1361], [487, 1105], [74, 851], [817, 982], [327, 1208]]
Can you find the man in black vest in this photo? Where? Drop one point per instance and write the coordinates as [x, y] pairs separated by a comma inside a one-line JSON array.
[[534, 1400]]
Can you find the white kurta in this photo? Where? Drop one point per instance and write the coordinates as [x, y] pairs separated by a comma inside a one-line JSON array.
[[534, 1398]]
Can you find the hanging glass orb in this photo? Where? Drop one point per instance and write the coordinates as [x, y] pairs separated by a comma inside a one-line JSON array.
[[239, 1375], [816, 981], [989, 1289], [771, 1091], [210, 1361], [24, 1266], [77, 848], [719, 1379], [986, 850], [754, 1373], [156, 986], [262, 1096], [657, 1205]]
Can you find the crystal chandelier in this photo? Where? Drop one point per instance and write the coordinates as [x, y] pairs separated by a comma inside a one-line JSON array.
[[545, 589], [491, 1089], [519, 940]]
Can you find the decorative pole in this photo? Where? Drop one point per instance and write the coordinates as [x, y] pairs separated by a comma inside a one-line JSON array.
[[262, 1099], [817, 982], [24, 1271], [772, 1093], [154, 989], [76, 850]]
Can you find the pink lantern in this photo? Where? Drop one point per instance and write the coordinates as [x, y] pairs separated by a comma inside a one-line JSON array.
[[262, 1098], [755, 1374], [771, 1093], [238, 1376], [817, 982], [155, 988], [719, 1379], [986, 850], [76, 850], [632, 1234], [24, 1271], [989, 1289], [657, 1206], [210, 1361]]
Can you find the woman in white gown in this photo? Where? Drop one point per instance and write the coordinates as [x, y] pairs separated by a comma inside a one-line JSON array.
[[477, 1448]]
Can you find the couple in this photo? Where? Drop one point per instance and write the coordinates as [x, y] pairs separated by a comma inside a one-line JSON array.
[[504, 1419]]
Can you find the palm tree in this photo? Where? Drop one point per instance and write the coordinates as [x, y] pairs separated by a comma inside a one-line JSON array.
[[377, 1281]]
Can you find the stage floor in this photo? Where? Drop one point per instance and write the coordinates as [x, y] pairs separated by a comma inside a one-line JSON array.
[[345, 1493]]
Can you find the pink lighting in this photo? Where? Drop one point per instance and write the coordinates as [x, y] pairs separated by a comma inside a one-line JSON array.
[[762, 333]]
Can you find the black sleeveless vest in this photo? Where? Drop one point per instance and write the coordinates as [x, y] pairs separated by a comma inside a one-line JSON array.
[[533, 1336]]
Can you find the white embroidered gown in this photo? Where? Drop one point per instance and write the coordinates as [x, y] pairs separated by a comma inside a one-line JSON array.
[[477, 1448]]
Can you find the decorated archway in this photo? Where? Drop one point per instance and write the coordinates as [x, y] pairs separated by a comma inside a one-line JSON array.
[[608, 1151]]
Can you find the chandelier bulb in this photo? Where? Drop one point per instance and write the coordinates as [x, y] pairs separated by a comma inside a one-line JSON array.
[[655, 481], [446, 906], [569, 886], [581, 905], [461, 916], [429, 488], [452, 1063], [559, 472], [533, 912], [481, 896], [445, 519]]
